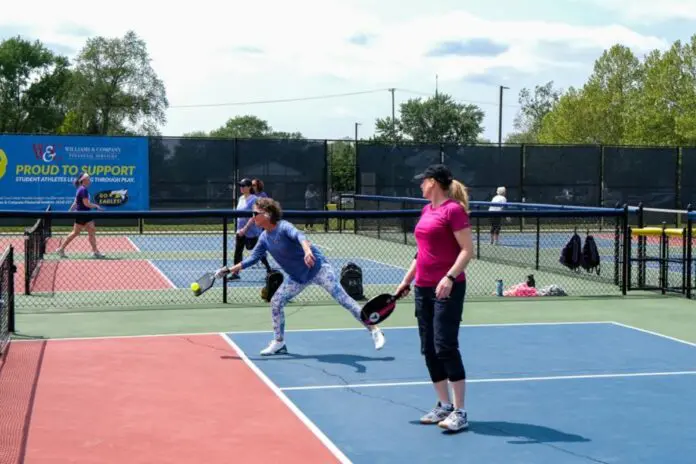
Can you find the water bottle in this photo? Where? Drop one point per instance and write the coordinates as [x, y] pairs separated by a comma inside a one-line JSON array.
[[499, 287]]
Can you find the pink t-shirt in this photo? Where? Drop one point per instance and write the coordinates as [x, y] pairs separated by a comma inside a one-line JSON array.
[[437, 245]]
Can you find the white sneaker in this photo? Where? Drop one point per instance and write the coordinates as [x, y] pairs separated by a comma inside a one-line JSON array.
[[378, 338], [60, 253], [98, 255], [456, 421], [275, 347]]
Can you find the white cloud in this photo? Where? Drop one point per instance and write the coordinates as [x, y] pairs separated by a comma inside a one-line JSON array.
[[650, 11], [199, 52]]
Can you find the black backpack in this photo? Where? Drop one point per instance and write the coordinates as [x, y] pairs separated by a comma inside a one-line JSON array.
[[274, 280], [571, 255], [590, 255], [352, 281]]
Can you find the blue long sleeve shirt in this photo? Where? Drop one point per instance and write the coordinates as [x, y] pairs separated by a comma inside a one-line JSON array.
[[284, 243]]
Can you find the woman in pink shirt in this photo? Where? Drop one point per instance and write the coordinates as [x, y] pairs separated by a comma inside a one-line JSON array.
[[445, 247]]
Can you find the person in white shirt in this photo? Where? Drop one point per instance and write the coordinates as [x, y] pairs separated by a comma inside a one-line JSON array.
[[496, 221]]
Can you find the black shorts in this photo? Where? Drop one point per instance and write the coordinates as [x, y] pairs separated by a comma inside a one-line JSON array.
[[83, 220], [496, 225]]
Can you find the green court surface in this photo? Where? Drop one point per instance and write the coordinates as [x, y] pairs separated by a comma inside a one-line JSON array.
[[672, 316]]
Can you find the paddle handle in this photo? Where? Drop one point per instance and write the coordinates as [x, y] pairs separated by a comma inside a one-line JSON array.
[[403, 292]]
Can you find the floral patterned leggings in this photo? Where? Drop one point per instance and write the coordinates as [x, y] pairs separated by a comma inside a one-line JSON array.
[[325, 278]]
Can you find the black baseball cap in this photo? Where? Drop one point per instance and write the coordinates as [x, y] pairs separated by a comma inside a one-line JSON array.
[[439, 172], [244, 182]]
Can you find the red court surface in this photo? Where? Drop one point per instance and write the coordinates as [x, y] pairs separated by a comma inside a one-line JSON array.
[[94, 275], [169, 399], [105, 243]]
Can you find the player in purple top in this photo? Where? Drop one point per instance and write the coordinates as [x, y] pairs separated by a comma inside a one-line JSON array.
[[257, 185], [82, 203]]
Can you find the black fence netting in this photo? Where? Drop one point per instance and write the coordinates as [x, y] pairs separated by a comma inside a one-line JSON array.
[[484, 168], [385, 169], [688, 178], [293, 171], [190, 172], [568, 175], [640, 175]]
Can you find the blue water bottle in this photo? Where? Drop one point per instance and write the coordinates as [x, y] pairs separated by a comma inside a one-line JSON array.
[[499, 287]]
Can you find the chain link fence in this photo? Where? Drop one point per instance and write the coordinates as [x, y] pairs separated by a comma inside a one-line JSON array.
[[6, 297], [151, 258]]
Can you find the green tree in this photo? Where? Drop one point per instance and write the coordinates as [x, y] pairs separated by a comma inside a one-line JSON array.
[[569, 122], [436, 119], [610, 91], [342, 165], [534, 106], [115, 90], [664, 111], [599, 111], [33, 86], [252, 127]]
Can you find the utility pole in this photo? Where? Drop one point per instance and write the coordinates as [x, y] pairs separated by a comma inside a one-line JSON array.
[[356, 135], [393, 111], [500, 116]]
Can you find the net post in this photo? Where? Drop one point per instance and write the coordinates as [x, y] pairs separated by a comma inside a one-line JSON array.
[[404, 224], [664, 247], [224, 258], [642, 247], [10, 284], [538, 242], [627, 250], [689, 251], [478, 237], [379, 223], [27, 263]]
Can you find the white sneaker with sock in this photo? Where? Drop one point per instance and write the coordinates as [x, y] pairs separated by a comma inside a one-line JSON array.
[[275, 347], [378, 338]]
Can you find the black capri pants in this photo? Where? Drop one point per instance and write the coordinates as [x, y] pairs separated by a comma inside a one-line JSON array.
[[438, 327], [249, 243]]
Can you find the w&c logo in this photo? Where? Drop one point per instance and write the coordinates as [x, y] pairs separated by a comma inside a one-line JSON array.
[[46, 153]]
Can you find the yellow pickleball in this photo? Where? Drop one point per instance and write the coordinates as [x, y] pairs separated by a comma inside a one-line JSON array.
[[195, 287]]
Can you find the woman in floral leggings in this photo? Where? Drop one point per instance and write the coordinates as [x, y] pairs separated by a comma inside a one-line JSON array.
[[303, 263]]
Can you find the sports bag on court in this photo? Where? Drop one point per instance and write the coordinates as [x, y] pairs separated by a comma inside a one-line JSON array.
[[590, 255], [352, 281], [571, 255], [274, 279]]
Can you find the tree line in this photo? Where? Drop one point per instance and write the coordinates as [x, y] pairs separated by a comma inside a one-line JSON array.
[[110, 88]]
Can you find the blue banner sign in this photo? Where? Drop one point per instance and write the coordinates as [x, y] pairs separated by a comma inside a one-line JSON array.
[[37, 171]]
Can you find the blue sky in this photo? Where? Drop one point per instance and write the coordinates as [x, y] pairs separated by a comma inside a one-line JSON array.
[[211, 54]]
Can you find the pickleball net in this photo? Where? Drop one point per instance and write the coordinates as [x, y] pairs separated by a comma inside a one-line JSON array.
[[35, 241]]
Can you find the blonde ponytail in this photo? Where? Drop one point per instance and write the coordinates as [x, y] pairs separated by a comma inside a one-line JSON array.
[[457, 192]]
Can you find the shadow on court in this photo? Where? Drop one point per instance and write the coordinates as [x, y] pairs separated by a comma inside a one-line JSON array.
[[524, 434], [350, 360]]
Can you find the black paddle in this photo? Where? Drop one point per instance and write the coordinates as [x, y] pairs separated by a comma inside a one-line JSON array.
[[380, 307]]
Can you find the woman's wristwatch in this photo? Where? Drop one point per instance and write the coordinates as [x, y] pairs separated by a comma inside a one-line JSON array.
[[451, 277]]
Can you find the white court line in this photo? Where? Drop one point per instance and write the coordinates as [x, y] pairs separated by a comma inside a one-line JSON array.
[[112, 337], [251, 332], [300, 415], [501, 380], [133, 244], [657, 334], [161, 273]]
